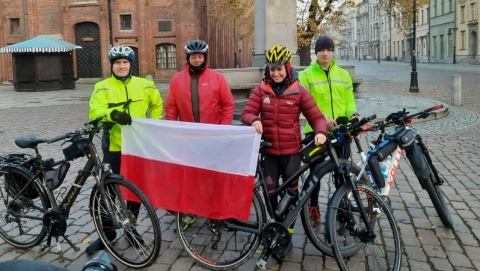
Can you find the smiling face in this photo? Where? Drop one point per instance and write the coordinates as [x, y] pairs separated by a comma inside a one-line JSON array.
[[121, 68], [278, 73]]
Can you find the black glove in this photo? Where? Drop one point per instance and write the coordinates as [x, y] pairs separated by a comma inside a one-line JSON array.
[[121, 118]]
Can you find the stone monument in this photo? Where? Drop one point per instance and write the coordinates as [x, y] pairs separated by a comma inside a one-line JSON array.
[[275, 23]]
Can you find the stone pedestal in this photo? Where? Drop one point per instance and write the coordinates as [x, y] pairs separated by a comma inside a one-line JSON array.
[[275, 23]]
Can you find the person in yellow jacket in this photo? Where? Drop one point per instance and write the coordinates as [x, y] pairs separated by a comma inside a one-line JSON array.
[[331, 87], [117, 99]]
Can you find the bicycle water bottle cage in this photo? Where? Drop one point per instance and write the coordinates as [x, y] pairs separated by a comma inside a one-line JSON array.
[[404, 136]]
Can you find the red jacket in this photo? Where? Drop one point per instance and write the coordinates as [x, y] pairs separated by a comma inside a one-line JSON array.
[[215, 98], [280, 116]]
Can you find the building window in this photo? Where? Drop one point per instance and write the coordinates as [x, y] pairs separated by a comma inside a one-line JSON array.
[[164, 26], [442, 7], [126, 22], [473, 9], [434, 8], [450, 5], [462, 14], [166, 56], [463, 40], [15, 26]]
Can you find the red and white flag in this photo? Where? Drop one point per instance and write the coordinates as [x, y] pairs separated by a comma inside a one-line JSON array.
[[202, 169]]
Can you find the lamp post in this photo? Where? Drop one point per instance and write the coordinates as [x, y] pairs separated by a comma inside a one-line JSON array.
[[413, 77], [378, 42], [454, 42], [358, 45]]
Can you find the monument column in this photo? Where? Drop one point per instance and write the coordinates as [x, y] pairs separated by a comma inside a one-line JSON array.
[[275, 23]]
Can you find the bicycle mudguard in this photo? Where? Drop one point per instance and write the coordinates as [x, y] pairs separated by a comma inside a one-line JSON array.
[[419, 165]]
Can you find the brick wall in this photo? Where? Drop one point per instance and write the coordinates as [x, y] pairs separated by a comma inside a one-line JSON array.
[[189, 21]]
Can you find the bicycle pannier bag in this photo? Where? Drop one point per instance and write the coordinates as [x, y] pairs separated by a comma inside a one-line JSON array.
[[404, 137], [419, 165], [15, 181], [54, 177]]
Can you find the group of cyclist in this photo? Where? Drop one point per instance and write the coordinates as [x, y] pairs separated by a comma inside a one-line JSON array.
[[322, 92]]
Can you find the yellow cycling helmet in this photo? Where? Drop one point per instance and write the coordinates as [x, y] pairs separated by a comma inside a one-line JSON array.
[[278, 55]]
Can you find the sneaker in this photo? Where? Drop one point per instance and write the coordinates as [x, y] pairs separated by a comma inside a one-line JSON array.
[[187, 220], [314, 216], [134, 238], [98, 245]]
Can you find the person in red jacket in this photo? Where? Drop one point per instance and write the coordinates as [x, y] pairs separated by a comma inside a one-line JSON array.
[[274, 109], [199, 94]]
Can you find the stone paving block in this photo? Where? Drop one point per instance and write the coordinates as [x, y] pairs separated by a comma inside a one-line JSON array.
[[427, 237], [434, 251], [419, 266], [473, 252], [458, 259], [415, 253], [441, 264]]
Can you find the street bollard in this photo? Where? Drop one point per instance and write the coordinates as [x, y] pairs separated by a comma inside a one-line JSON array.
[[456, 90]]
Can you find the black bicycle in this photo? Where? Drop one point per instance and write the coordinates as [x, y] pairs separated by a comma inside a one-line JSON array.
[[226, 244], [29, 211]]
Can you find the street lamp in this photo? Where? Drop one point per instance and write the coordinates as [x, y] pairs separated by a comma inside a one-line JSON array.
[[378, 42], [358, 45], [413, 77], [454, 41]]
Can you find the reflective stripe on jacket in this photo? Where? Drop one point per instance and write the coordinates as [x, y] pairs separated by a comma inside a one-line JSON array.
[[111, 94], [214, 97], [333, 93]]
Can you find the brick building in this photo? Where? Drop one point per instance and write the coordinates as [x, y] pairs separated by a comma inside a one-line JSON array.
[[157, 31]]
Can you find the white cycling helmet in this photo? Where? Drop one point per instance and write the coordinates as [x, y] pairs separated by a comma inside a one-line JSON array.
[[121, 51]]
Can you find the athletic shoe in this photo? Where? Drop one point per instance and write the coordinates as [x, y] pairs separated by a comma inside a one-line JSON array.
[[187, 220], [314, 216]]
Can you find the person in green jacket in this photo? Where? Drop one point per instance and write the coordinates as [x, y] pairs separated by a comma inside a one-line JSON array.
[[117, 99], [332, 89]]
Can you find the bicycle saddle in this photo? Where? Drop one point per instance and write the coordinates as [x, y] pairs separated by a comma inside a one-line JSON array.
[[28, 141]]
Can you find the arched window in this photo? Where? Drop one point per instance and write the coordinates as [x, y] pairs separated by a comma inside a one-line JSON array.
[[166, 56]]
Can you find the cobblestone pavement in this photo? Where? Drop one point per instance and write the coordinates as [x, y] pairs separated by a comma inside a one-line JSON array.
[[427, 245]]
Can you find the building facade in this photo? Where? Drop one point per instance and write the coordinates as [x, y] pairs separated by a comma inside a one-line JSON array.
[[157, 31]]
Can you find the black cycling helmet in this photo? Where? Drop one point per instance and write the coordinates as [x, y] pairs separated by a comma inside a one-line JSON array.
[[196, 46]]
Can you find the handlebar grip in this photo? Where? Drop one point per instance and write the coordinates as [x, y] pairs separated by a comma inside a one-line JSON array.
[[57, 138], [365, 120], [438, 106]]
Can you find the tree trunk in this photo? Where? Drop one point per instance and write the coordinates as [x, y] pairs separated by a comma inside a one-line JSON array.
[[305, 55]]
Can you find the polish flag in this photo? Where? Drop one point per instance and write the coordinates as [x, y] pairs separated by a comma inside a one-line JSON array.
[[202, 169]]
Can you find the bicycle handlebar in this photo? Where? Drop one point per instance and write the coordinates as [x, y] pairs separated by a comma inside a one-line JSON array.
[[402, 116], [352, 127]]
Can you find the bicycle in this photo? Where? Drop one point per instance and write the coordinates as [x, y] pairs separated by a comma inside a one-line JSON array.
[[387, 145], [391, 148], [30, 211], [226, 244]]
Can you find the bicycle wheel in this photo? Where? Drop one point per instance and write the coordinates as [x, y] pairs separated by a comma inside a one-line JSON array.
[[325, 174], [211, 244], [137, 239], [21, 221], [380, 249], [438, 201]]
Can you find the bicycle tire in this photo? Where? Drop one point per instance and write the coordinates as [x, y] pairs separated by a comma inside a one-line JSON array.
[[383, 252], [234, 248], [141, 221], [318, 237], [21, 224], [438, 200]]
